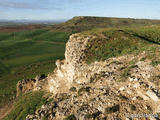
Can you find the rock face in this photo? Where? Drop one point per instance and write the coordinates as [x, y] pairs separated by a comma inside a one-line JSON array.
[[28, 85], [25, 86], [72, 69], [114, 89]]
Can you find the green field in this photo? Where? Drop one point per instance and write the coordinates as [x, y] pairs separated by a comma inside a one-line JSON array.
[[26, 54]]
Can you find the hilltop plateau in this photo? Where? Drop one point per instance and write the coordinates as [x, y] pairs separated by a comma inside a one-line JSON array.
[[83, 23]]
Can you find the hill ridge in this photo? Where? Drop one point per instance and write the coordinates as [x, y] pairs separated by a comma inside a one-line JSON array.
[[82, 23]]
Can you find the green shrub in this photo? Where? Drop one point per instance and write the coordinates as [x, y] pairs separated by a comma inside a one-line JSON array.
[[112, 109], [155, 63], [88, 116], [83, 89], [73, 89], [133, 107], [70, 117], [143, 59]]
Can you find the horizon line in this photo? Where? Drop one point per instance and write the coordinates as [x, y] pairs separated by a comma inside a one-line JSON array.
[[65, 19]]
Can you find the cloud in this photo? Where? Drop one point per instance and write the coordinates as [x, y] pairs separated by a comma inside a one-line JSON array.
[[23, 5]]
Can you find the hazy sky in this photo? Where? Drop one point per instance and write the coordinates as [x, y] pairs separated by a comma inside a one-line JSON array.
[[66, 9]]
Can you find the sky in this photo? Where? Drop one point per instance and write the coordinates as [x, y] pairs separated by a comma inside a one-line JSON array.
[[66, 9]]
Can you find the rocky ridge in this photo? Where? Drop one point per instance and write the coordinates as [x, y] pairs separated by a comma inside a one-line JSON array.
[[114, 89]]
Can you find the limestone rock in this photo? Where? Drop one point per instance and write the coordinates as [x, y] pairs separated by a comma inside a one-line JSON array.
[[102, 90], [27, 85]]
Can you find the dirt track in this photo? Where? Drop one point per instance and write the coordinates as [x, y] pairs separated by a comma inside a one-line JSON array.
[[5, 110]]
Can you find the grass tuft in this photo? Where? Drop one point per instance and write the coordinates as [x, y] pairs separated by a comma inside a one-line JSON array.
[[26, 104]]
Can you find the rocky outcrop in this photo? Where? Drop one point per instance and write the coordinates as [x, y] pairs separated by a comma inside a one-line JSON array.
[[24, 86], [114, 89], [72, 69], [109, 94]]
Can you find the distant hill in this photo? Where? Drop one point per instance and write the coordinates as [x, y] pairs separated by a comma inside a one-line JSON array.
[[26, 22], [78, 24], [21, 25], [16, 28]]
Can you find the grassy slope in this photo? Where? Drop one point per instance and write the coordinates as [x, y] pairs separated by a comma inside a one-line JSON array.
[[123, 41], [26, 54], [25, 105]]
